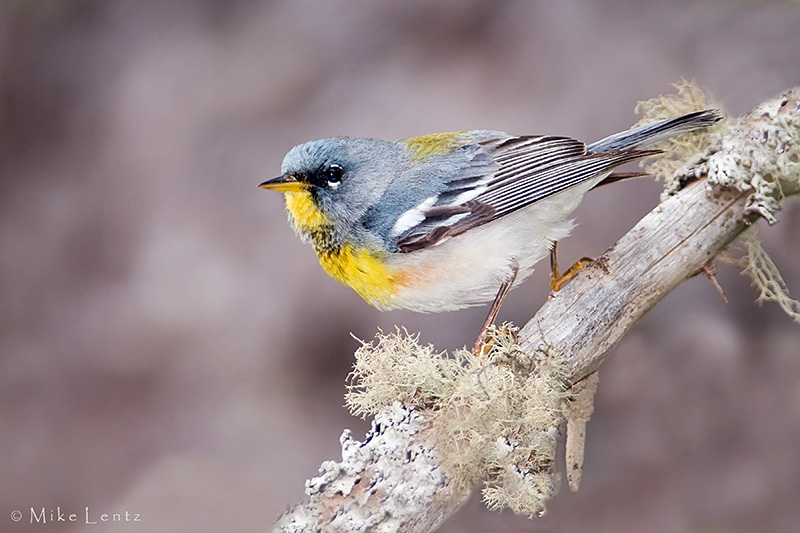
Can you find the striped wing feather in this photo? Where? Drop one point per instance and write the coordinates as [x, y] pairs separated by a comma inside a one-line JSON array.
[[527, 170]]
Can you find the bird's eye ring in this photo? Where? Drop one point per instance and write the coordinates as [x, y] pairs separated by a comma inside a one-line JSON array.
[[334, 173]]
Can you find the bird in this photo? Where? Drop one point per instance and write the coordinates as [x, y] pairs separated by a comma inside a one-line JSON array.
[[446, 221]]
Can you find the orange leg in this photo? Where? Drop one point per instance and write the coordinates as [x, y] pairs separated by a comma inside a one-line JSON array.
[[558, 280], [477, 348]]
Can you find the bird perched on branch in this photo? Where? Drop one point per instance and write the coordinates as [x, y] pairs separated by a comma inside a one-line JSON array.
[[446, 221]]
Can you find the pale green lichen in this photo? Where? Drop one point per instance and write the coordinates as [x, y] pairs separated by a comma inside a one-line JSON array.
[[493, 417], [759, 152], [684, 150], [762, 154], [396, 367], [766, 276]]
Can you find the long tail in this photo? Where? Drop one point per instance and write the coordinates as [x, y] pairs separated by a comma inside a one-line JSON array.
[[650, 134]]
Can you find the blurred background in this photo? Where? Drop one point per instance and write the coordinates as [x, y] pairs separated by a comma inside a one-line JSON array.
[[168, 347]]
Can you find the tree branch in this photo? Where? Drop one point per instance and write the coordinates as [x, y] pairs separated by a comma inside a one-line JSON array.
[[668, 246], [394, 480]]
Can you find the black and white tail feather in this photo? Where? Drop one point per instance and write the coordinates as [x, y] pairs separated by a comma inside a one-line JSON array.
[[528, 169]]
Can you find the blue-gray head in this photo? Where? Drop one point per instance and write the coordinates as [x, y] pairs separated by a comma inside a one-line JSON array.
[[333, 182]]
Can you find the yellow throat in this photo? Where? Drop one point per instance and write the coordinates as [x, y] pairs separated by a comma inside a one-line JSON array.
[[363, 270]]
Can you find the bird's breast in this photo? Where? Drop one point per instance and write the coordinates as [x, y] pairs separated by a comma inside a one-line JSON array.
[[364, 271]]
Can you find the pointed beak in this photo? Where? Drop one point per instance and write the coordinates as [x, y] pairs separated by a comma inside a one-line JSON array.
[[284, 183]]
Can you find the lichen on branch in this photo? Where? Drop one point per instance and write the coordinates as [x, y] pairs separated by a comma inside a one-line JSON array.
[[493, 418]]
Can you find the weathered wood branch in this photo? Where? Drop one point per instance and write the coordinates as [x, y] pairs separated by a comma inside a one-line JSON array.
[[668, 246], [394, 481]]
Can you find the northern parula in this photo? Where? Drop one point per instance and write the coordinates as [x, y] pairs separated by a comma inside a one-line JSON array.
[[445, 221]]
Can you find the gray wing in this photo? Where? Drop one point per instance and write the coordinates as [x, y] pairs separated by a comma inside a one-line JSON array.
[[523, 171]]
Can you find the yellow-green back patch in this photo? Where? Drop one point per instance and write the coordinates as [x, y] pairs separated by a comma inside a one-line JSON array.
[[427, 146]]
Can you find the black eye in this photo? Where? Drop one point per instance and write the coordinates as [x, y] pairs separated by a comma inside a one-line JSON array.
[[334, 174]]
